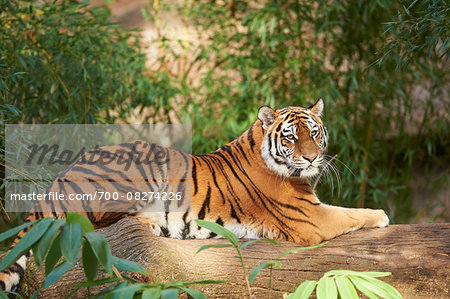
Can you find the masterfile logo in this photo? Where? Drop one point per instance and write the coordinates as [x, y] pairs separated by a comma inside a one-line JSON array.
[[107, 168]]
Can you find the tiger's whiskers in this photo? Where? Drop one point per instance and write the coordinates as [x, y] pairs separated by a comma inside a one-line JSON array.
[[325, 170]]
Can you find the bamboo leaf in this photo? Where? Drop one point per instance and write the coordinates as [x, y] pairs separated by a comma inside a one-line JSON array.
[[345, 288], [25, 244], [326, 288]]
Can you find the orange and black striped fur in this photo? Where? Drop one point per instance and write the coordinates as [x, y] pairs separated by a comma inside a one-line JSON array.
[[256, 186]]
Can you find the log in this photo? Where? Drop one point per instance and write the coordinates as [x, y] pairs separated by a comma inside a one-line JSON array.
[[417, 256]]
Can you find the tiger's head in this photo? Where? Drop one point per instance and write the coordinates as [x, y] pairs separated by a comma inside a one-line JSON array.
[[295, 140]]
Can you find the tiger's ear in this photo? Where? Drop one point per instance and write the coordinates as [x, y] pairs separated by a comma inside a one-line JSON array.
[[267, 116], [317, 108]]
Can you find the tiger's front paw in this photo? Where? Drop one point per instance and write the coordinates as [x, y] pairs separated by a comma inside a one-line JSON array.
[[379, 219]]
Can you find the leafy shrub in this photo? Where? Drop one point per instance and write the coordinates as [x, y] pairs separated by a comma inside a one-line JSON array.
[[60, 244], [65, 62]]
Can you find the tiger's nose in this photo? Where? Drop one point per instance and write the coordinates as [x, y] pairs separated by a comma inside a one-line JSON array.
[[310, 158]]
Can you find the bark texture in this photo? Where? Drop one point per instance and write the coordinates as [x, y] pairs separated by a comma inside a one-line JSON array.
[[417, 255]]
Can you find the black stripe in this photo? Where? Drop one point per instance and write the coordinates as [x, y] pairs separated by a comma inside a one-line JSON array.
[[165, 232], [15, 268], [284, 205], [236, 175], [239, 146], [201, 214], [213, 174], [250, 137], [308, 201], [233, 213], [194, 174], [219, 166], [187, 226], [279, 127]]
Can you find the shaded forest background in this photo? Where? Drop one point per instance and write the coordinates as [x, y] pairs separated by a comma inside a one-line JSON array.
[[381, 67]]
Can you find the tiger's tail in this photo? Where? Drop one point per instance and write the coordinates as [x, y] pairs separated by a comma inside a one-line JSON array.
[[11, 277]]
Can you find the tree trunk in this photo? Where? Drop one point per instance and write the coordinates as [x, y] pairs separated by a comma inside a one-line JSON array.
[[417, 256]]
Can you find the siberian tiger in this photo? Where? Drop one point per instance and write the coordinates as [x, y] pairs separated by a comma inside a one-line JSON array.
[[256, 186]]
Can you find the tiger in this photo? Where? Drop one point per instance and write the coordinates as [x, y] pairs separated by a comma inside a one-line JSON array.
[[257, 186]]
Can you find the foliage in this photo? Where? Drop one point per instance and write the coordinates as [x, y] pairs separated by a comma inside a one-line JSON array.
[[74, 239], [419, 31], [383, 122], [234, 242], [65, 62], [342, 283]]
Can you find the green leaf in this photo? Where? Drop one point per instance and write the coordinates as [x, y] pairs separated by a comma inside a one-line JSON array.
[[41, 248], [243, 245], [219, 230], [374, 288], [326, 288], [86, 225], [102, 250], [24, 245], [195, 294], [393, 293], [357, 282], [357, 273], [70, 242], [206, 282], [346, 288], [126, 265], [213, 246], [256, 270], [97, 282], [123, 291], [90, 262], [169, 294], [3, 294], [56, 274], [304, 290], [14, 231], [53, 256], [153, 293], [300, 248]]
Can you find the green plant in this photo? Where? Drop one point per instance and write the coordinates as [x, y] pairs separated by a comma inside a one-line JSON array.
[[74, 239], [342, 283], [234, 242], [66, 62], [421, 30]]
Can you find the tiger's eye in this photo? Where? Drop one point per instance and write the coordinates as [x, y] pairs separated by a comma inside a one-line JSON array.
[[290, 136]]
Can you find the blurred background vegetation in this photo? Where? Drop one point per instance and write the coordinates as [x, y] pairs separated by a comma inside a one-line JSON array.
[[381, 67]]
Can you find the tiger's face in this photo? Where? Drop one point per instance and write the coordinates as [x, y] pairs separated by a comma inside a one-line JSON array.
[[295, 139]]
